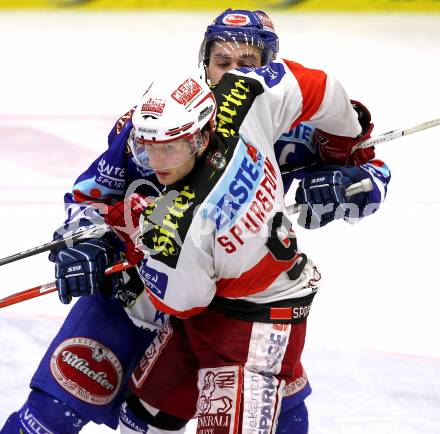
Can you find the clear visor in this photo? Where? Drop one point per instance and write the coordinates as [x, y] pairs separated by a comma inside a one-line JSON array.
[[156, 155]]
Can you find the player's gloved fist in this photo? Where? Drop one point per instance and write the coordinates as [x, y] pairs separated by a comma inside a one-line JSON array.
[[79, 270], [338, 149], [323, 198]]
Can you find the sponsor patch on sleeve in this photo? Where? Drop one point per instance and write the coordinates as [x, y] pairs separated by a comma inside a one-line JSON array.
[[271, 73], [155, 281]]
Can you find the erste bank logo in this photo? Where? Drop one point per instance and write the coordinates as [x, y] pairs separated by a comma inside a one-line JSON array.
[[237, 188]]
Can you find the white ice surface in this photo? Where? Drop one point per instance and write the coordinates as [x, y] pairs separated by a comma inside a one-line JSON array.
[[373, 352]]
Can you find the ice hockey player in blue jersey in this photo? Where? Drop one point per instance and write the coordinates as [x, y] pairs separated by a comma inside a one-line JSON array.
[[100, 325], [303, 151]]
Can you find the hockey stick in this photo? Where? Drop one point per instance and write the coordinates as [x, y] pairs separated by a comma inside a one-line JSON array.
[[47, 288], [92, 232], [362, 186], [395, 134]]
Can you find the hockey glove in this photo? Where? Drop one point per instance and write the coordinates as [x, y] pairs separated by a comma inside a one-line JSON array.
[[79, 270], [323, 196], [337, 149], [123, 217]]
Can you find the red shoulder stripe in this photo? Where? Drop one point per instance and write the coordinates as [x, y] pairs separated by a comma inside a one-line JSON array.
[[312, 83]]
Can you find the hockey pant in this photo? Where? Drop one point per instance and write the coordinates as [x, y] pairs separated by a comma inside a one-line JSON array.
[[88, 364], [228, 373]]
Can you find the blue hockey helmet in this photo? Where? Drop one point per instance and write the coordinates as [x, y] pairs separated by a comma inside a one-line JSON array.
[[251, 27]]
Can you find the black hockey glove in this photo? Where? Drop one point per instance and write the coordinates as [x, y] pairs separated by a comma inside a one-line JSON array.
[[79, 270], [323, 196]]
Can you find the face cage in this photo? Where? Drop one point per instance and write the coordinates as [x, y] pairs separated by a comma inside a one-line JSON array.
[[267, 55], [141, 155]]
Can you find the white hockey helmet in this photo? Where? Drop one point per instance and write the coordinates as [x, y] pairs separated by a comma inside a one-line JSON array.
[[169, 119]]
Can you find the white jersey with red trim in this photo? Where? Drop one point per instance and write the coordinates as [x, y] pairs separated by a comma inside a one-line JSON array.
[[208, 234]]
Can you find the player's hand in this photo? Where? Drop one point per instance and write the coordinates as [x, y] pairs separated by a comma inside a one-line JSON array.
[[323, 196], [123, 217], [337, 149], [79, 270]]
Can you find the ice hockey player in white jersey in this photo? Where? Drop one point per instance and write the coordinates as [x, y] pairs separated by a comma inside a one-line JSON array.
[[221, 256]]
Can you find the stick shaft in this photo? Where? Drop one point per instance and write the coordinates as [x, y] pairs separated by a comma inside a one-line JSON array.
[[395, 134], [92, 232], [47, 288]]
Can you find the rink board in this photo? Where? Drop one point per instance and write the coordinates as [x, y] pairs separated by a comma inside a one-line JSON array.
[[287, 5]]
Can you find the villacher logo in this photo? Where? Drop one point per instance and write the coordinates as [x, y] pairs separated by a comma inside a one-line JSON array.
[[87, 370]]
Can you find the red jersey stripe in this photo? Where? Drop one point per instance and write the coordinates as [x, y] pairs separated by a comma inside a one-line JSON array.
[[181, 314], [312, 83], [254, 280]]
